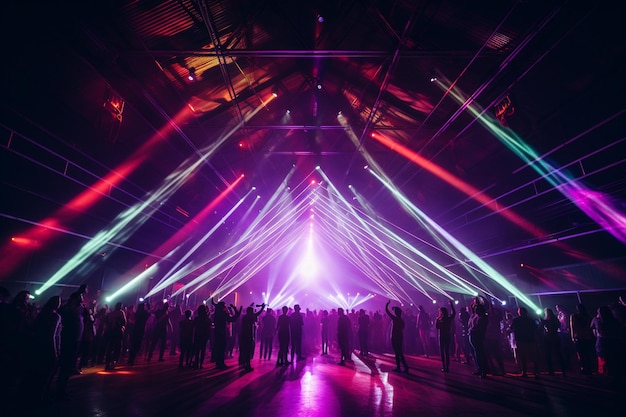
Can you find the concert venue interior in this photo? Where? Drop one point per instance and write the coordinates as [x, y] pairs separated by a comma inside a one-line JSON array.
[[326, 153]]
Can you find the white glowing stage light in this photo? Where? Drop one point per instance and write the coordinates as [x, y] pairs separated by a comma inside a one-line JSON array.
[[539, 312], [253, 188], [317, 167], [456, 301], [288, 111], [31, 297], [141, 299], [188, 295], [165, 300], [366, 167], [275, 94], [339, 114], [503, 302], [433, 79], [434, 301]]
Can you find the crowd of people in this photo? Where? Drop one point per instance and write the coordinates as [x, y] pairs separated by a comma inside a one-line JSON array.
[[43, 346]]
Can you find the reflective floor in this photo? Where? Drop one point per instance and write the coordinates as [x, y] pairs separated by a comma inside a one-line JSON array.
[[317, 387]]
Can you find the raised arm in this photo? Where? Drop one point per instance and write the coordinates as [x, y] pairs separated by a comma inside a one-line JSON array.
[[258, 313], [387, 310]]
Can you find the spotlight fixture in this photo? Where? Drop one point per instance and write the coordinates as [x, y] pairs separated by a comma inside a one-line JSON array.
[[433, 79], [319, 86], [320, 18]]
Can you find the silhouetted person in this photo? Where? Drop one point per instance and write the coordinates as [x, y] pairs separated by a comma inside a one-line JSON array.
[[246, 336], [344, 332], [477, 328], [524, 330], [552, 340], [14, 341], [443, 323], [397, 336], [87, 339], [608, 332], [139, 330], [282, 329], [296, 323], [268, 329], [175, 316], [221, 318], [324, 323], [423, 328], [161, 326], [46, 347], [564, 334], [363, 332], [71, 333], [201, 335], [113, 336], [583, 338], [466, 347], [185, 342], [493, 341]]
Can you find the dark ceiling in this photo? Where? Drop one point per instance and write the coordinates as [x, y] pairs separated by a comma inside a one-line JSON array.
[[558, 65]]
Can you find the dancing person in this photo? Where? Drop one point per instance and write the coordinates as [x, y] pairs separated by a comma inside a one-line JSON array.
[[444, 323], [113, 335], [139, 330], [552, 340], [397, 336], [200, 336], [161, 327], [524, 329], [71, 332], [477, 328], [221, 318], [246, 336], [46, 347]]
